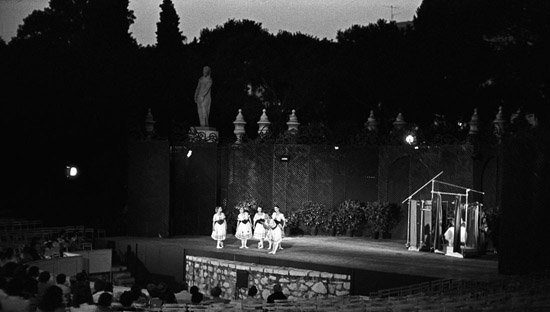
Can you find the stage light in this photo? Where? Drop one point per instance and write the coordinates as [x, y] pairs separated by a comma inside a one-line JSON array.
[[410, 139], [336, 147], [189, 153], [71, 171], [284, 158]]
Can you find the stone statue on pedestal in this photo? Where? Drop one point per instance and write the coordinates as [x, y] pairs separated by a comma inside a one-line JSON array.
[[203, 97]]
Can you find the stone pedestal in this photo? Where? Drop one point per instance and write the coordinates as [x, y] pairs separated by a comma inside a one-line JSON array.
[[203, 134]]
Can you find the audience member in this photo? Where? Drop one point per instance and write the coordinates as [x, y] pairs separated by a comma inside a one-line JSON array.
[[82, 300], [196, 295], [100, 287], [216, 292], [61, 282], [126, 301], [138, 296], [104, 302], [43, 284], [184, 296], [251, 296], [165, 293], [15, 302], [277, 294], [52, 300]]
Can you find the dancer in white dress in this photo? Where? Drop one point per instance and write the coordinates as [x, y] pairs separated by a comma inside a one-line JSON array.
[[260, 232], [244, 227], [277, 229], [219, 227]]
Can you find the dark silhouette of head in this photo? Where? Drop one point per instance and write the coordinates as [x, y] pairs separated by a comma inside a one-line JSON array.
[[105, 300], [216, 292], [252, 291], [52, 299], [61, 278]]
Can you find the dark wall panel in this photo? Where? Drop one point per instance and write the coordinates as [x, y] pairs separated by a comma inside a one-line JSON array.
[[199, 189], [525, 214], [148, 188]]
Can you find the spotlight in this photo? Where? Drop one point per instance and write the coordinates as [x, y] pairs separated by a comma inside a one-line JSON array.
[[284, 158], [410, 139], [336, 147], [71, 171], [189, 153]]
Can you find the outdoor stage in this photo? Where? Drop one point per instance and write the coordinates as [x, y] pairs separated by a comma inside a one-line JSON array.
[[374, 264]]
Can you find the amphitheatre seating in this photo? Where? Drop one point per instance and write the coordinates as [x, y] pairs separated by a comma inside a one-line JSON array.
[[16, 233], [524, 293]]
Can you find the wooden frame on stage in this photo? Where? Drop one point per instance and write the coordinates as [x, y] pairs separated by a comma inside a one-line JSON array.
[[427, 218]]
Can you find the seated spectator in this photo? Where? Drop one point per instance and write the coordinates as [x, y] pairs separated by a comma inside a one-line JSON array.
[[29, 283], [61, 282], [138, 296], [100, 287], [126, 301], [82, 300], [15, 302], [276, 295], [184, 296], [196, 295], [251, 296], [104, 302], [166, 294], [52, 300], [33, 272], [43, 284], [216, 292]]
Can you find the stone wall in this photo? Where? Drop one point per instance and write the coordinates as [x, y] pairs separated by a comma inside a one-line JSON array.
[[206, 273]]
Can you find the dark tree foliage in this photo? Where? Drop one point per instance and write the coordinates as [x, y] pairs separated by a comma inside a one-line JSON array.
[[169, 37]]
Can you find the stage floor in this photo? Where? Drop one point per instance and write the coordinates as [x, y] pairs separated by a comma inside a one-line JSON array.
[[365, 254]]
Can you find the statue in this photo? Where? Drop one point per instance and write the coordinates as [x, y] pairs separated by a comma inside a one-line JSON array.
[[202, 96]]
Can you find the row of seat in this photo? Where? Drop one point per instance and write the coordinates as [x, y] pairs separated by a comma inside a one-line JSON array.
[[16, 224], [521, 293], [17, 239]]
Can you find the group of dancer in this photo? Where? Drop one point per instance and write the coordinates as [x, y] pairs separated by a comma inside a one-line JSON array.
[[262, 227]]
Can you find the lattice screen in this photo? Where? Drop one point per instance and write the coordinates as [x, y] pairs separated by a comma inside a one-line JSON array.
[[313, 172]]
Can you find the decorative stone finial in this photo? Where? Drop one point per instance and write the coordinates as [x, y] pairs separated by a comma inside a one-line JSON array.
[[239, 126], [499, 123], [371, 124], [474, 123], [399, 122], [292, 122], [263, 123], [149, 124]]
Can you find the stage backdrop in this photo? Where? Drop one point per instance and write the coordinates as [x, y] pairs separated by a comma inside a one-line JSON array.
[[316, 173], [177, 195]]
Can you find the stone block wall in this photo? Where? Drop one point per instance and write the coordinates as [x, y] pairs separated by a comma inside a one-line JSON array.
[[206, 273]]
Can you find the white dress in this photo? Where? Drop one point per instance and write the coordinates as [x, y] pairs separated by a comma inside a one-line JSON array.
[[259, 229], [244, 228], [278, 222], [220, 226]]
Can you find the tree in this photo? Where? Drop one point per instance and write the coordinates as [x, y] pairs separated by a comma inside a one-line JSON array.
[[168, 34], [107, 25]]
